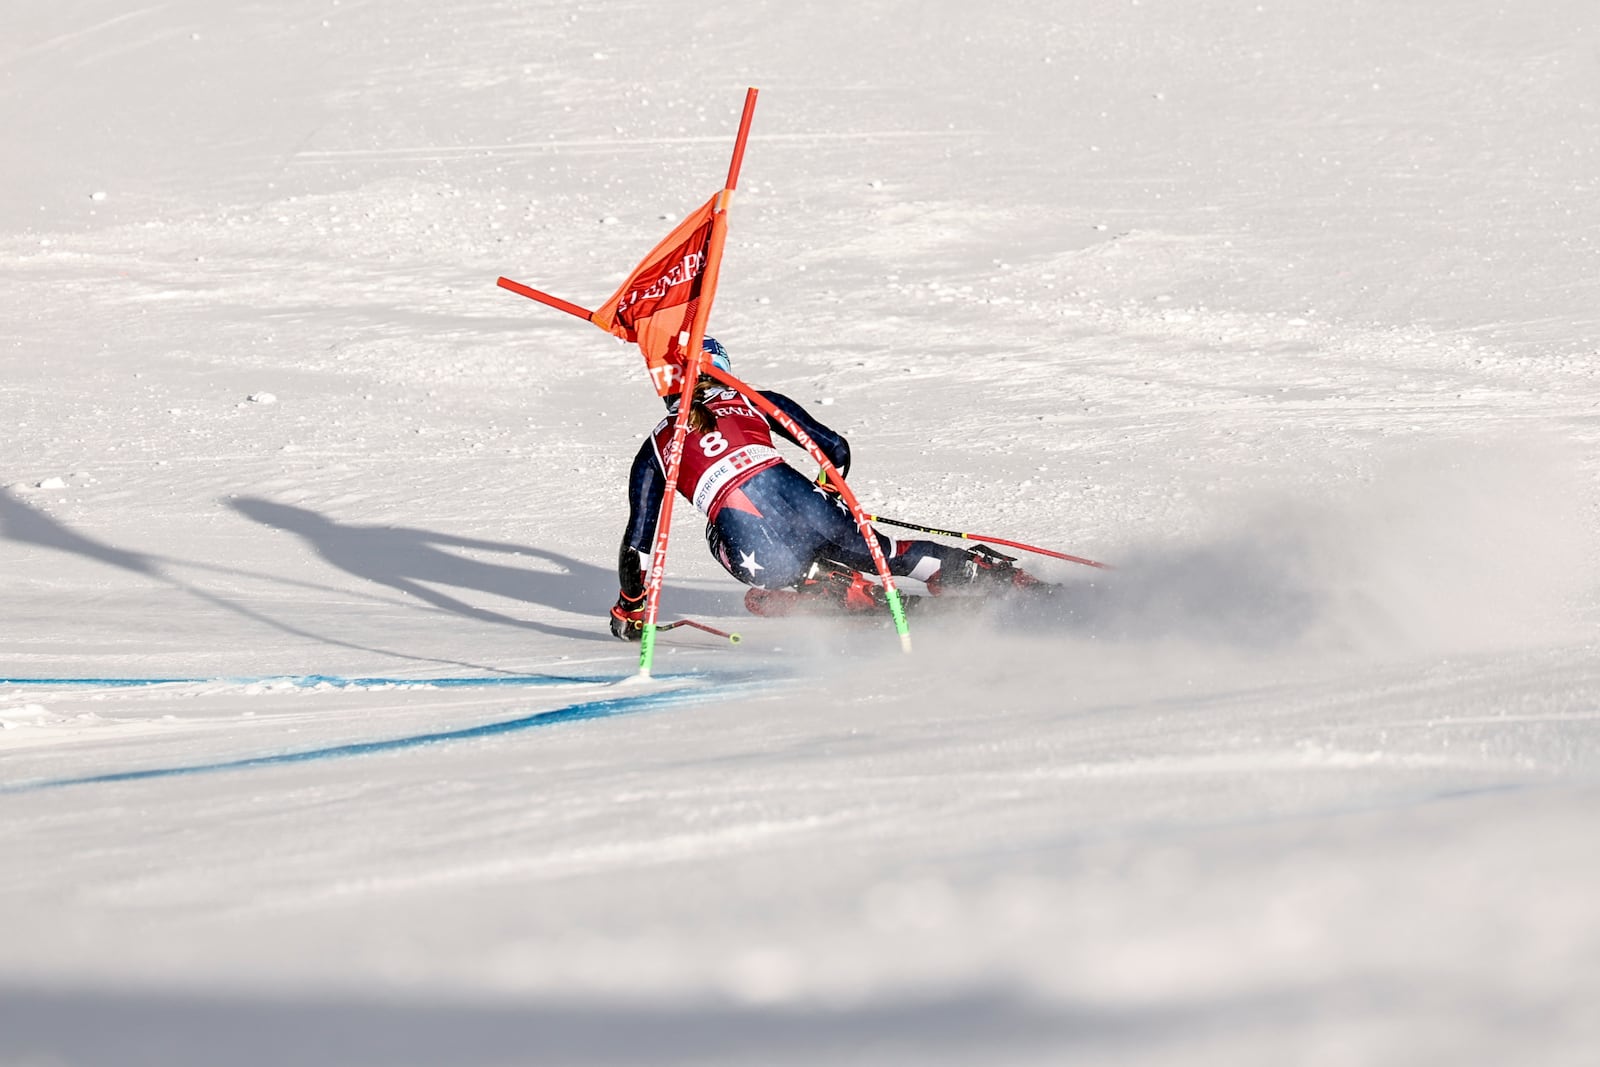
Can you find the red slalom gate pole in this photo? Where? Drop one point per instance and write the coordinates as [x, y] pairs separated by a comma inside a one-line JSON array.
[[545, 298], [658, 554], [744, 135], [690, 340], [1035, 549]]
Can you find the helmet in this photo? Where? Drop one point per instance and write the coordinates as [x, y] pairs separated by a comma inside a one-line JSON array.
[[718, 354]]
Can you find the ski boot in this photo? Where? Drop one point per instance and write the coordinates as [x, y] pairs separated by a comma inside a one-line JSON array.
[[843, 590], [987, 572], [826, 589]]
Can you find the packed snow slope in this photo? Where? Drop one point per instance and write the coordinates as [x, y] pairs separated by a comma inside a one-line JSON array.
[[1288, 309]]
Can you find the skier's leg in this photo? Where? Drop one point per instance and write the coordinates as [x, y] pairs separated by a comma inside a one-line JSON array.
[[825, 522], [942, 568], [767, 537], [755, 550], [782, 523]]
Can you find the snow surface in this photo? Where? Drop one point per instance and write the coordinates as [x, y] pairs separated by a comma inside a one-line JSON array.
[[1288, 309]]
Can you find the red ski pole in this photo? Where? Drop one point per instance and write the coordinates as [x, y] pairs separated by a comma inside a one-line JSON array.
[[990, 540], [733, 639]]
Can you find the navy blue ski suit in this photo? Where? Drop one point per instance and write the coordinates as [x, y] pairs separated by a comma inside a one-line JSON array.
[[768, 522]]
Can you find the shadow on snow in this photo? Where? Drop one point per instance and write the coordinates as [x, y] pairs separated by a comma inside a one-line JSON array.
[[418, 562]]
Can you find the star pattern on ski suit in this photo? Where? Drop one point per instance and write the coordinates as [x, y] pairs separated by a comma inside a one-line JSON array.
[[837, 500], [747, 563]]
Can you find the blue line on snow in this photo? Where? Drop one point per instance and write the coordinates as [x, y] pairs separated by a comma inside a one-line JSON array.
[[101, 683], [308, 681], [593, 709]]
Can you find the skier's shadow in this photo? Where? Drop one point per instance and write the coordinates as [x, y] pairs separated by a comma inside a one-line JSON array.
[[418, 562]]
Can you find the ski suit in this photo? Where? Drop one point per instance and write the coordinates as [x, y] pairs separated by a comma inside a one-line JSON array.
[[767, 522]]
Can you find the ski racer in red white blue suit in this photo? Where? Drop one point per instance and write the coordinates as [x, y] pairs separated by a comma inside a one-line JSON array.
[[769, 526]]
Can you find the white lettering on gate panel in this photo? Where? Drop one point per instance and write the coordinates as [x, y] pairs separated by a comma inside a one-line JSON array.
[[666, 375], [684, 271]]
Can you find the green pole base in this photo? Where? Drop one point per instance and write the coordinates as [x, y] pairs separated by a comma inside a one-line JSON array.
[[647, 649], [898, 611]]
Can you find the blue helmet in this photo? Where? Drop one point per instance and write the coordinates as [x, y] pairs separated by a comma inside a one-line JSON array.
[[718, 354]]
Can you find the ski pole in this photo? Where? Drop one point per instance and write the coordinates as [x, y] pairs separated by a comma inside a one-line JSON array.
[[733, 639], [989, 540]]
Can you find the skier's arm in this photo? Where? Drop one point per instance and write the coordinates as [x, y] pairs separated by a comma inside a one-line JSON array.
[[646, 489], [833, 444]]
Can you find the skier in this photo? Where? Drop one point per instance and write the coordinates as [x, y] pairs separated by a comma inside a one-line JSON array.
[[768, 525]]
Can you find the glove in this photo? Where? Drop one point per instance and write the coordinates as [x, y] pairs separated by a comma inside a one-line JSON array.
[[627, 618], [830, 492], [829, 487]]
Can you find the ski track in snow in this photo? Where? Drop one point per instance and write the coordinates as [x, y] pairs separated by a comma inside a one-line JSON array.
[[1286, 311]]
